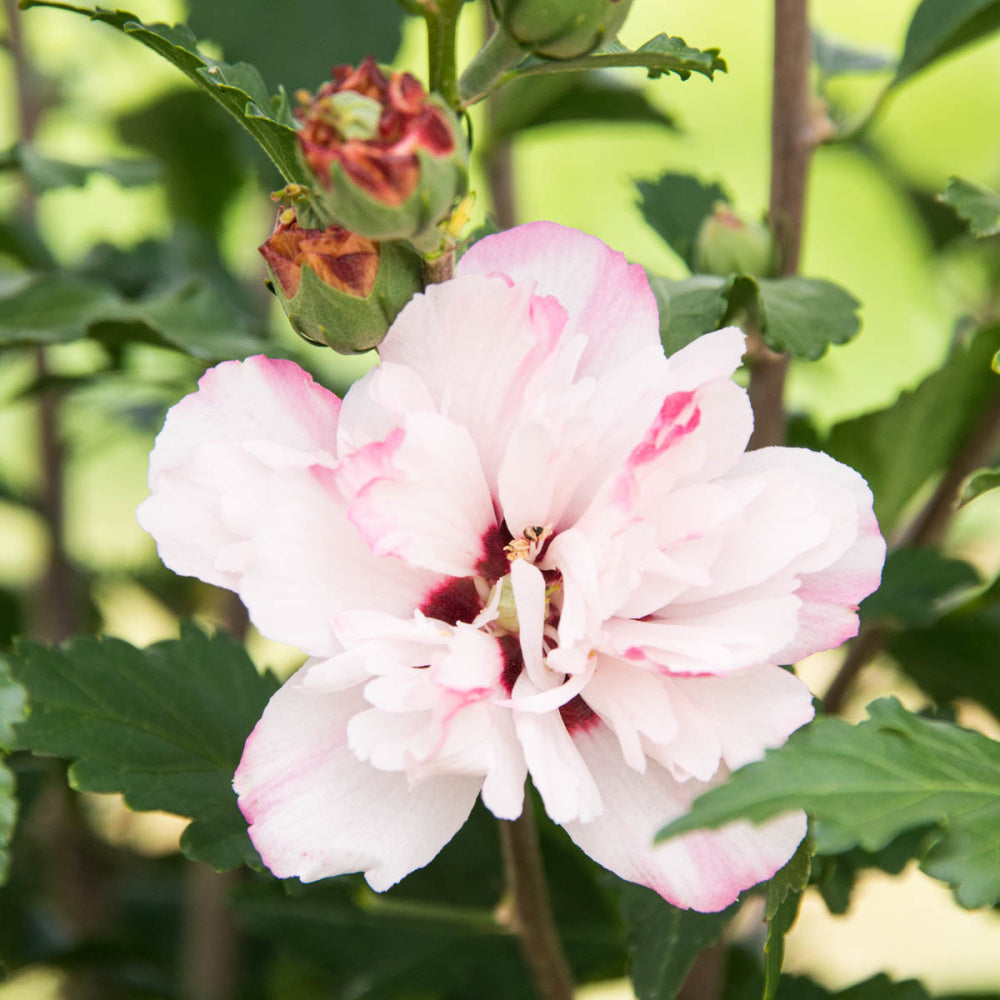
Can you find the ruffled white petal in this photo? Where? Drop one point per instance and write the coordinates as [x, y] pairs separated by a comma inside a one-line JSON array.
[[315, 810], [705, 870]]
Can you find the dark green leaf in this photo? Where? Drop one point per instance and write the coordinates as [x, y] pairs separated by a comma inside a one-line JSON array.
[[918, 585], [865, 784], [977, 483], [675, 206], [940, 27], [21, 241], [803, 316], [688, 308], [12, 709], [834, 875], [976, 203], [568, 98], [192, 317], [238, 87], [53, 308], [957, 657], [300, 42], [45, 174], [664, 941], [899, 448], [164, 726], [204, 165], [834, 57], [784, 895]]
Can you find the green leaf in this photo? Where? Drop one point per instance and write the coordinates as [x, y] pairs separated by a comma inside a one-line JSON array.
[[191, 317], [45, 174], [976, 203], [940, 27], [663, 940], [165, 726], [803, 316], [834, 875], [784, 895], [688, 308], [976, 484], [675, 205], [834, 57], [568, 98], [237, 87], [661, 55], [918, 587], [53, 308], [298, 42], [12, 710], [865, 784], [956, 657], [899, 448]]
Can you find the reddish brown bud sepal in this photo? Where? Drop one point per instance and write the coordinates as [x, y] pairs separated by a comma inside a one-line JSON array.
[[338, 288], [389, 158]]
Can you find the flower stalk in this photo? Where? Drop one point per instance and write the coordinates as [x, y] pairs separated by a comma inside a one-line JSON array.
[[530, 909], [442, 26]]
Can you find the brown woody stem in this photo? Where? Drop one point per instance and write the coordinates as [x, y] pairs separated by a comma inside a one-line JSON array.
[[792, 144], [531, 912]]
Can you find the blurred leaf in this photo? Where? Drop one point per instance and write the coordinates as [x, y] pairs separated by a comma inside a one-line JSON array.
[[297, 42], [803, 316], [956, 657], [165, 726], [379, 949], [53, 308], [834, 875], [571, 97], [20, 240], [191, 317], [834, 57], [940, 27], [688, 308], [977, 483], [976, 203], [745, 982], [238, 87], [917, 587], [663, 940], [45, 174], [675, 205], [866, 784], [12, 709], [899, 448], [784, 894], [204, 169]]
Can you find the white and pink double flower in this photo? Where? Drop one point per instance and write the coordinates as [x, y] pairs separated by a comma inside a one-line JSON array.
[[526, 543]]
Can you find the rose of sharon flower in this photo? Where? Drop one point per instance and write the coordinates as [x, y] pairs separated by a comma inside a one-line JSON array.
[[526, 543]]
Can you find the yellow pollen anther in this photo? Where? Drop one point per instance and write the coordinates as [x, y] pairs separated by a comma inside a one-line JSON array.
[[529, 544]]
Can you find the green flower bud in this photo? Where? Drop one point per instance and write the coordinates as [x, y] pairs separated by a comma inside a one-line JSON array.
[[728, 245], [338, 288], [561, 29], [389, 159]]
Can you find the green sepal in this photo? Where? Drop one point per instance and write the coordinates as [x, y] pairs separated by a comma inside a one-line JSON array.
[[349, 323]]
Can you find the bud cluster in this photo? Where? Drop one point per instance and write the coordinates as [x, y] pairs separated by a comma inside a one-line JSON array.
[[388, 158]]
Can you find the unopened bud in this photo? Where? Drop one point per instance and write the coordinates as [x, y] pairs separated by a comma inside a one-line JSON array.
[[561, 29], [338, 288], [389, 159], [726, 244]]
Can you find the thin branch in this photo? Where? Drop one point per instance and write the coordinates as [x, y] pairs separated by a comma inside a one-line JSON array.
[[792, 144], [440, 268], [531, 912]]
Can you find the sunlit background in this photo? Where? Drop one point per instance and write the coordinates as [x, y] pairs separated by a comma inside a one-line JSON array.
[[862, 231]]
